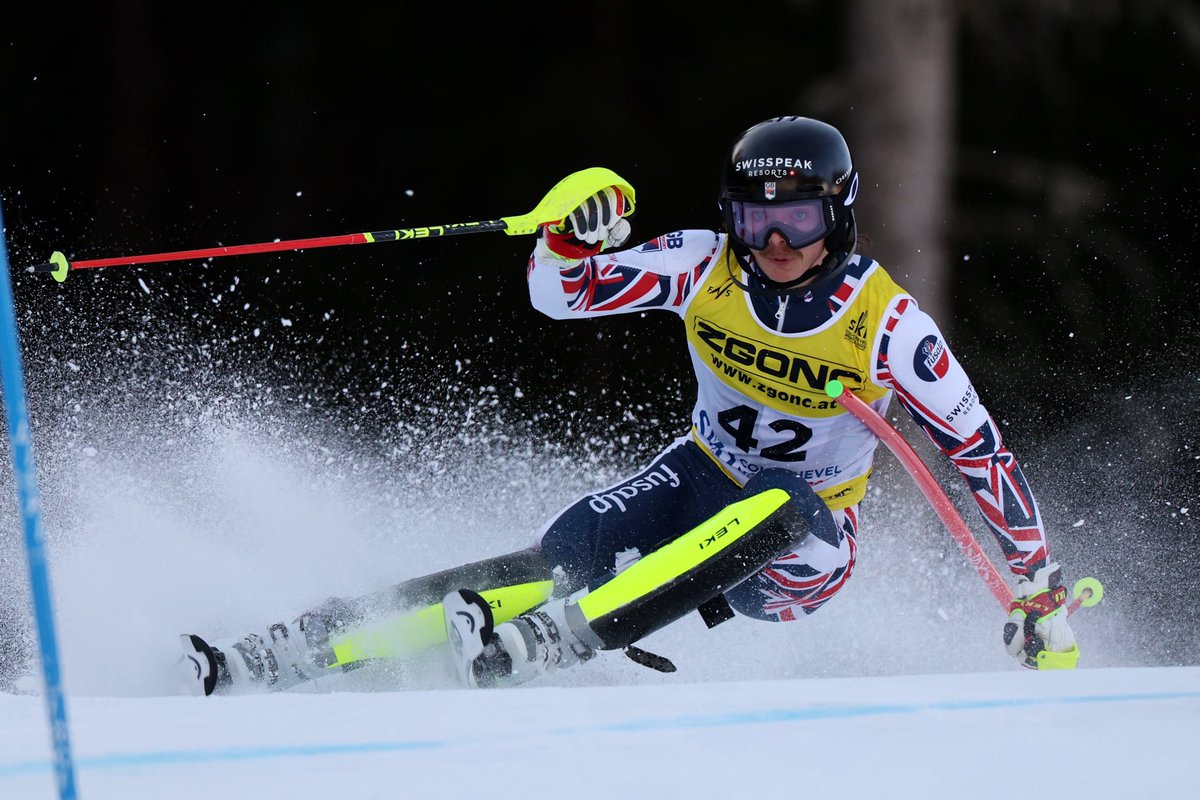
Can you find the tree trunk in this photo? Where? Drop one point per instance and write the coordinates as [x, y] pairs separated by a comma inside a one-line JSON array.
[[901, 132]]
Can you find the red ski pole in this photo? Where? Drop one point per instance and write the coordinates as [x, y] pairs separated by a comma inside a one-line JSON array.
[[1087, 591], [929, 487], [566, 195]]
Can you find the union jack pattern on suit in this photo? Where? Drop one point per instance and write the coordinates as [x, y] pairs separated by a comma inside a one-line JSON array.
[[909, 358], [990, 470]]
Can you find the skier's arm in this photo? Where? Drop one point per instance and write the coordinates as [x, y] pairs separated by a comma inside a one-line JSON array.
[[659, 274], [914, 359]]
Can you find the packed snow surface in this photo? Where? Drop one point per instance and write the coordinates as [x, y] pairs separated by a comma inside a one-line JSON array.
[[1101, 733]]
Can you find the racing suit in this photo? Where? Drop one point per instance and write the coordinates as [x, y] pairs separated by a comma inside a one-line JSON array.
[[761, 361]]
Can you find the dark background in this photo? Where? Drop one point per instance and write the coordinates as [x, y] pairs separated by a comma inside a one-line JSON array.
[[139, 127], [131, 128]]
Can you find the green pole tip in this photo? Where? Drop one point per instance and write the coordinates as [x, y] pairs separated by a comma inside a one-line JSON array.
[[61, 266], [834, 389]]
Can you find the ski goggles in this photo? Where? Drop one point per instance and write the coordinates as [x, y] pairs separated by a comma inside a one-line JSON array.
[[800, 222]]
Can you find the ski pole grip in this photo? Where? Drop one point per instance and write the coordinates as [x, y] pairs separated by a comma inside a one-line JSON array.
[[566, 196]]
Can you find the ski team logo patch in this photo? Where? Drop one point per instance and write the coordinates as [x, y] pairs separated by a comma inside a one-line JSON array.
[[931, 361]]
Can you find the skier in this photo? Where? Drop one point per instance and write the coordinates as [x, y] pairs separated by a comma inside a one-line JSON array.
[[755, 510]]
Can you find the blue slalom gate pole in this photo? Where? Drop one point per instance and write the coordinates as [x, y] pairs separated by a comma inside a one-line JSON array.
[[30, 502]]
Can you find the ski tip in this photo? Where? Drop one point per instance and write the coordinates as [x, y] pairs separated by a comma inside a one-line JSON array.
[[469, 626], [199, 665], [834, 389], [461, 601]]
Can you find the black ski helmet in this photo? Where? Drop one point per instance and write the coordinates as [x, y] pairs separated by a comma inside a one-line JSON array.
[[793, 158]]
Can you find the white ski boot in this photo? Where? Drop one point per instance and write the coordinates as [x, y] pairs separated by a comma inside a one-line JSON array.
[[254, 663], [519, 650], [540, 642]]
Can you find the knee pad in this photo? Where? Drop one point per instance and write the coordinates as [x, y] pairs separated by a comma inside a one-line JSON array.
[[804, 513]]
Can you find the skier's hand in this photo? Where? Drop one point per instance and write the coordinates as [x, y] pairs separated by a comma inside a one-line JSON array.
[[598, 224], [1037, 632]]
